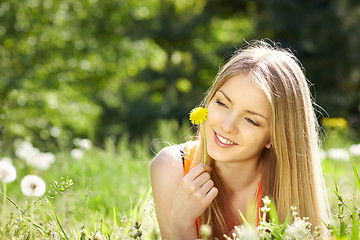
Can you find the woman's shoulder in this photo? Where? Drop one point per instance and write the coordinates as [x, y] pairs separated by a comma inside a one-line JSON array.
[[169, 155], [173, 153], [166, 170]]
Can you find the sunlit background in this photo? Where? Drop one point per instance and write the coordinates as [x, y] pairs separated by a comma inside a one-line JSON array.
[[91, 89]]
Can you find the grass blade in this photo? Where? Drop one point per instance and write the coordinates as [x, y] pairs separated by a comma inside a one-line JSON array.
[[356, 174], [136, 208], [57, 221], [274, 217], [355, 227], [244, 219], [40, 229], [341, 200]]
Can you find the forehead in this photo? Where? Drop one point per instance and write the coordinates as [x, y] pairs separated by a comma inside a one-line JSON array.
[[245, 94]]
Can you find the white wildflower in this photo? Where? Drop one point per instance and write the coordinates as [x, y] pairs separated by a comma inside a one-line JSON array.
[[265, 209], [297, 230], [33, 186], [264, 232], [97, 236], [245, 233], [77, 154], [355, 150], [338, 154], [85, 144], [55, 132], [266, 201], [7, 172], [322, 154], [294, 212]]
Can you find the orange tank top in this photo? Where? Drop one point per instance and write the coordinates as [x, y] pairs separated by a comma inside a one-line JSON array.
[[189, 154]]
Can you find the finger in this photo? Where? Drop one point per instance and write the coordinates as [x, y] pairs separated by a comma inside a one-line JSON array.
[[204, 189], [201, 179], [207, 167], [196, 171], [209, 197]]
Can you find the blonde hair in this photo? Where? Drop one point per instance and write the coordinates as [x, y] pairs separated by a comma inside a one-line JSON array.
[[291, 170]]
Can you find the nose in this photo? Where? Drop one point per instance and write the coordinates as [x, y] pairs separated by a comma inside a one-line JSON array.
[[229, 123]]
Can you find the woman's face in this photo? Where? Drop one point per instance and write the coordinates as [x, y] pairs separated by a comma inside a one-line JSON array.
[[237, 127]]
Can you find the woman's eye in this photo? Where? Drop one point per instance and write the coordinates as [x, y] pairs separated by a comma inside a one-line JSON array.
[[252, 122], [220, 103]]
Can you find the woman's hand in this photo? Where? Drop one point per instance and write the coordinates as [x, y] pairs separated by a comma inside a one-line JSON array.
[[194, 194]]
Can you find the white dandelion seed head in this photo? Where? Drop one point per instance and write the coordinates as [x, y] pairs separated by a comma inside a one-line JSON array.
[[6, 159], [297, 230], [77, 154], [33, 186], [33, 157], [55, 132], [7, 172], [43, 161], [355, 150], [24, 149], [39, 160], [338, 154], [76, 141], [85, 144]]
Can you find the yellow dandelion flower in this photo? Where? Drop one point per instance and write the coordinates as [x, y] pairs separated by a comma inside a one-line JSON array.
[[334, 122], [340, 123], [198, 115]]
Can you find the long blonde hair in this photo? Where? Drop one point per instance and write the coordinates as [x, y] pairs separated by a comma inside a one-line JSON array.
[[291, 170]]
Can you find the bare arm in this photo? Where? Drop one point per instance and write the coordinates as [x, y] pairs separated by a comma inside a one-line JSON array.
[[166, 172], [179, 200]]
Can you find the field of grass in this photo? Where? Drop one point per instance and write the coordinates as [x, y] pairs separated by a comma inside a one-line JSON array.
[[106, 194]]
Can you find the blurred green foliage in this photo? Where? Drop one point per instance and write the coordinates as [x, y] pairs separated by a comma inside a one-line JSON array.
[[94, 68]]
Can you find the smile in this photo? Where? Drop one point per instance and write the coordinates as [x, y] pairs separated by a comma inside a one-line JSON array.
[[223, 140]]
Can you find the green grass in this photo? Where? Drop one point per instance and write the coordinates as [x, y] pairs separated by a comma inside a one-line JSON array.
[[110, 193], [106, 183]]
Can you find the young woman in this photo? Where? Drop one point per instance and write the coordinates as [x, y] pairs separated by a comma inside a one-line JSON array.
[[261, 140]]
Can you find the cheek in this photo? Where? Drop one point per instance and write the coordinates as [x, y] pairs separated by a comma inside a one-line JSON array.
[[257, 137], [263, 139], [212, 114]]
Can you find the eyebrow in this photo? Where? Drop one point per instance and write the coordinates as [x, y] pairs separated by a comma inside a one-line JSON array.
[[248, 111], [227, 98]]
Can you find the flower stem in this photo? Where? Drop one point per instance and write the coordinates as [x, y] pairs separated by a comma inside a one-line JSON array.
[[4, 208], [32, 216], [203, 133]]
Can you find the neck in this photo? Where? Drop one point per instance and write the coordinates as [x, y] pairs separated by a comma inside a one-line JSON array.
[[237, 177]]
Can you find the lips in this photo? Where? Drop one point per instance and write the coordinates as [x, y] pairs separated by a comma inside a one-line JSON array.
[[224, 141]]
